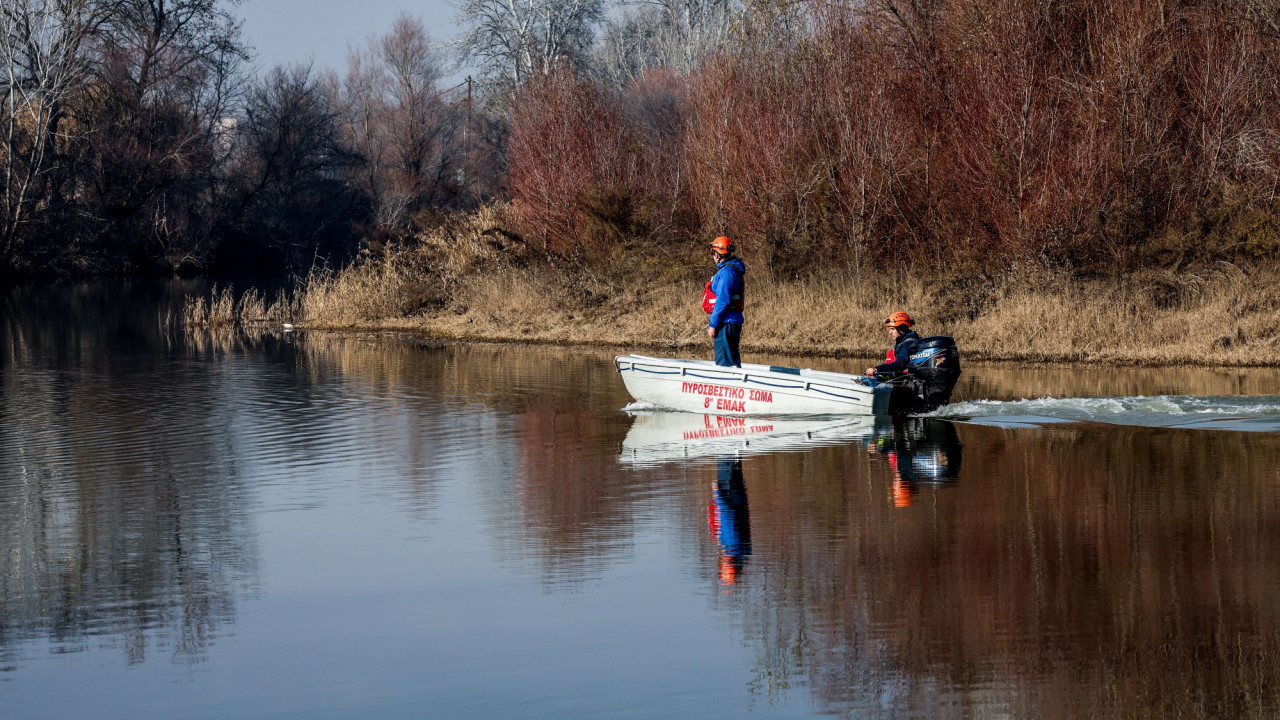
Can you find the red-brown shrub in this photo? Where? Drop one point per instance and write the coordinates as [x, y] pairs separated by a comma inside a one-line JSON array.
[[573, 165], [951, 134]]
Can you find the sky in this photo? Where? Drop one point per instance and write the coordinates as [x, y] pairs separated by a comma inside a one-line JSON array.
[[298, 31]]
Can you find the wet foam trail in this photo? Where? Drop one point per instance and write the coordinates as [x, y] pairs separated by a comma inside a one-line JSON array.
[[643, 406], [1240, 413]]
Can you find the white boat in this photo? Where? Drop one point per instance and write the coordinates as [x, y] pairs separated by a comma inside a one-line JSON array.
[[701, 386], [660, 437]]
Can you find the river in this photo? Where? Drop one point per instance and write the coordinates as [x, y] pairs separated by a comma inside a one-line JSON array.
[[272, 525]]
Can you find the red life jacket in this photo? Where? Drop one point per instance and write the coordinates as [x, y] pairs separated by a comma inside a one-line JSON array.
[[891, 356], [709, 301]]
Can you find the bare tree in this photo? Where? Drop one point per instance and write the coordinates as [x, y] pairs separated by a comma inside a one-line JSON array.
[[359, 112], [293, 167], [675, 34], [158, 44], [166, 81], [403, 124], [1265, 15], [42, 55], [419, 122], [513, 39]]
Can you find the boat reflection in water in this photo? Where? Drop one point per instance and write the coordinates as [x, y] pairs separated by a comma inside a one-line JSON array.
[[662, 437], [920, 451]]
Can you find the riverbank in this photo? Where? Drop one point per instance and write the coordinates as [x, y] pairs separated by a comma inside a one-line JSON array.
[[472, 281]]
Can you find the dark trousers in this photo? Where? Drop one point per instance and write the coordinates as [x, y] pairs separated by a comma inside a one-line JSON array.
[[727, 345]]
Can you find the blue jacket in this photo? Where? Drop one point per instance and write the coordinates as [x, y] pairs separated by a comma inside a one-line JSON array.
[[727, 284], [902, 350]]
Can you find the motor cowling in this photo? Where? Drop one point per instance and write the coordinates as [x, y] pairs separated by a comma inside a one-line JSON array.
[[932, 371], [936, 361], [936, 351]]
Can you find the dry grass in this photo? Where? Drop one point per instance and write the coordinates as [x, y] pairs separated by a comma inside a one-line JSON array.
[[470, 281], [216, 312], [1220, 316], [405, 280], [223, 310]]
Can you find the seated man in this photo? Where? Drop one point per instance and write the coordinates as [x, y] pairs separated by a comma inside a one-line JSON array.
[[904, 339]]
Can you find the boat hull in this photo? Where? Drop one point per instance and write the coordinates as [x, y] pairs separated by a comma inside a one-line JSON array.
[[703, 387]]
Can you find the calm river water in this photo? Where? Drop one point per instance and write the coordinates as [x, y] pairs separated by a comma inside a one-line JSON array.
[[307, 526]]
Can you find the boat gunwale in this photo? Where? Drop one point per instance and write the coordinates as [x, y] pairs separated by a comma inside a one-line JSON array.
[[805, 377]]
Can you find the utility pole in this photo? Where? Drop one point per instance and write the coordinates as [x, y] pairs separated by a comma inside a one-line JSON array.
[[466, 141]]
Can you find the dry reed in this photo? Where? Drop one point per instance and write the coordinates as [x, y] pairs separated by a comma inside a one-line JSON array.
[[218, 311], [459, 283], [223, 310]]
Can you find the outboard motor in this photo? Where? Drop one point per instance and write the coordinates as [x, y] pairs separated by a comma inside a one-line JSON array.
[[936, 361], [932, 372]]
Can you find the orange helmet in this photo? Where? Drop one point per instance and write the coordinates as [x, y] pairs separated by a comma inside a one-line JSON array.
[[898, 319], [722, 245]]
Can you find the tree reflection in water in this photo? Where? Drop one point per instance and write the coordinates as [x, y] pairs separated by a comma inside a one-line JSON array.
[[1064, 571], [122, 521], [1073, 571]]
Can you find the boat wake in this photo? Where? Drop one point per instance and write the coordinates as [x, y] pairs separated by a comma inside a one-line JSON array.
[[1252, 414], [642, 406]]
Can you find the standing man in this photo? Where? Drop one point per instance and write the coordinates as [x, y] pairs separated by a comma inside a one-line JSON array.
[[722, 299]]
